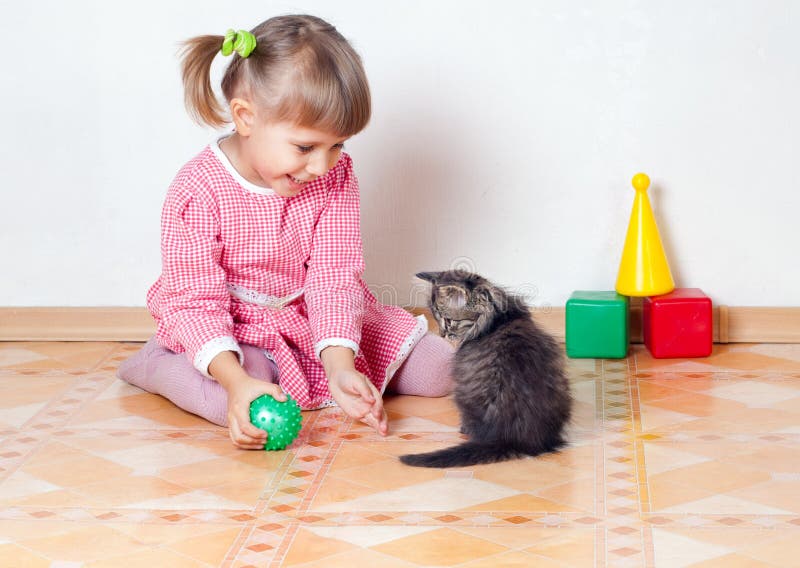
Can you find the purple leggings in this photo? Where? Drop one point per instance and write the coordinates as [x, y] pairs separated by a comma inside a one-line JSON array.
[[156, 369]]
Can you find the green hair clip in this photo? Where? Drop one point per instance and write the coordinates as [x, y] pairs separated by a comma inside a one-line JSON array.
[[242, 42]]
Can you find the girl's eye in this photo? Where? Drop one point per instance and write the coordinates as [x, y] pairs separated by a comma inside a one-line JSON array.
[[306, 149]]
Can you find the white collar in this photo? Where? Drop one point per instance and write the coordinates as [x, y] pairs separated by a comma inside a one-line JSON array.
[[249, 186]]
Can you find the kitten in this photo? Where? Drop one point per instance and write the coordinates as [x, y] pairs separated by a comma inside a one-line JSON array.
[[511, 389]]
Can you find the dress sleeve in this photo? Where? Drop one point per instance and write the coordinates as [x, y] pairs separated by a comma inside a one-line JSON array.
[[194, 303], [333, 290]]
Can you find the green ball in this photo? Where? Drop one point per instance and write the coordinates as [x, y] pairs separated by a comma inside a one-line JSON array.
[[281, 420]]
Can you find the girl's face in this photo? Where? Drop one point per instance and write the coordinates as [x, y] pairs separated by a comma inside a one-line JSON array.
[[286, 157]]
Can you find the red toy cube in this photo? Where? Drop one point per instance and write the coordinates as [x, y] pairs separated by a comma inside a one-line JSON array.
[[678, 324]]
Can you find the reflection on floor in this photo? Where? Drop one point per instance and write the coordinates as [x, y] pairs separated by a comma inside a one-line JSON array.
[[671, 463]]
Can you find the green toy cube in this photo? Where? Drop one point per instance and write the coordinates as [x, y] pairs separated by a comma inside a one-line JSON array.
[[597, 325]]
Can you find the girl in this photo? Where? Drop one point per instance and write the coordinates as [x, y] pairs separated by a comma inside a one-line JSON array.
[[261, 289]]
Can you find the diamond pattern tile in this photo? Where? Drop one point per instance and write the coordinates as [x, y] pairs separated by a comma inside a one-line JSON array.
[[670, 463]]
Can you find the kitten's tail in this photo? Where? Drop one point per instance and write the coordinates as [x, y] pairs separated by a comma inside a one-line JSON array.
[[468, 453]]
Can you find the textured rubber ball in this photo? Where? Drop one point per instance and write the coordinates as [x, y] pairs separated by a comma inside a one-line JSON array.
[[281, 420]]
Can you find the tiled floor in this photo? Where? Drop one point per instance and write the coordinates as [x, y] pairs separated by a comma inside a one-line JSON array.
[[671, 463]]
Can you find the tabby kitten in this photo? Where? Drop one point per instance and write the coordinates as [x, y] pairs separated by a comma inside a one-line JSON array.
[[511, 389]]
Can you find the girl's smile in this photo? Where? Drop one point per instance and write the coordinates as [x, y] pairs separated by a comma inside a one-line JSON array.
[[281, 156], [296, 184]]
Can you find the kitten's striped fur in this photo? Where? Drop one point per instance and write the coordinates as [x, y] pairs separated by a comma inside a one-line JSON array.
[[511, 389]]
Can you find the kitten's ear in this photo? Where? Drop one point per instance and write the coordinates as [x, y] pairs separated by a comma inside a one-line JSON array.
[[429, 276]]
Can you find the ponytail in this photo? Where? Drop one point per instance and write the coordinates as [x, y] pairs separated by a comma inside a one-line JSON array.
[[201, 102], [298, 68]]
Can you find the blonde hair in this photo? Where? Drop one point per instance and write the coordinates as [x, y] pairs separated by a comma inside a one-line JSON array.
[[302, 71]]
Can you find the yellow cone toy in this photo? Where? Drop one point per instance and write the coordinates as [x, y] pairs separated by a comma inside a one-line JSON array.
[[643, 270]]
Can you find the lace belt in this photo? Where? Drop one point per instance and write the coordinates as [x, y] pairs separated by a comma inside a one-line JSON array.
[[264, 300]]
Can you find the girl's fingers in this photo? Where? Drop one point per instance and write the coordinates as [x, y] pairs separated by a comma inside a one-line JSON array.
[[249, 446], [251, 432], [275, 392], [381, 426], [383, 423], [236, 436], [377, 406], [370, 421], [356, 406], [246, 428], [360, 409], [361, 389], [250, 438], [253, 436]]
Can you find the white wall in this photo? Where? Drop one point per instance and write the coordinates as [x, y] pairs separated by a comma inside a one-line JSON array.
[[504, 137]]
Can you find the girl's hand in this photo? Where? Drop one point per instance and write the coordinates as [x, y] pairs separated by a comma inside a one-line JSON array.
[[359, 398], [242, 389], [240, 394]]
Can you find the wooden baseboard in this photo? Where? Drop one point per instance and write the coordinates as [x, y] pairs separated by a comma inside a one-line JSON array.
[[76, 324], [731, 324]]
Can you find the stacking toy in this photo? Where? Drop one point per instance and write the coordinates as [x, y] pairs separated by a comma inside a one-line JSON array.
[[678, 324], [281, 420], [643, 270], [597, 324]]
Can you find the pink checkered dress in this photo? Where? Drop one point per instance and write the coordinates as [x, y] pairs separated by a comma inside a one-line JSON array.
[[243, 265]]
